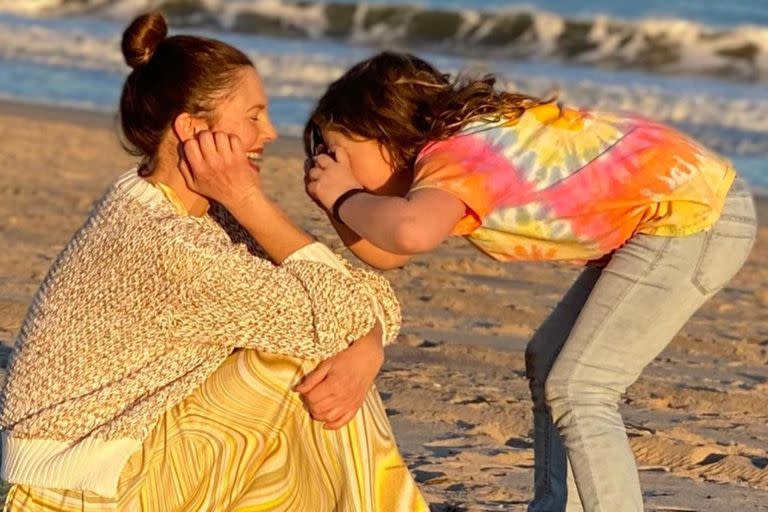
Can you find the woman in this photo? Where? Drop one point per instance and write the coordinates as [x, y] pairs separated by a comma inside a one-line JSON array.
[[156, 366]]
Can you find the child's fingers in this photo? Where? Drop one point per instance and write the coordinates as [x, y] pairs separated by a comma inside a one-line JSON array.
[[324, 161], [315, 173], [341, 155]]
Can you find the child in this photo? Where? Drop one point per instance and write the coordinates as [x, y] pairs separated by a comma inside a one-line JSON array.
[[417, 158]]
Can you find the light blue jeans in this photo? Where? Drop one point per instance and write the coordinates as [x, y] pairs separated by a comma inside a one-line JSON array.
[[609, 326]]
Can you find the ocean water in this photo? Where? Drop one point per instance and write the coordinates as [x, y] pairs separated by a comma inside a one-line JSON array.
[[701, 65]]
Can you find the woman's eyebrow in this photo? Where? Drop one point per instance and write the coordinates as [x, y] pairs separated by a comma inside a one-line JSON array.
[[260, 106]]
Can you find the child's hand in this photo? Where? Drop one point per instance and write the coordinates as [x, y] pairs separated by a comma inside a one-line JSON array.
[[217, 167], [335, 390], [309, 163], [330, 178]]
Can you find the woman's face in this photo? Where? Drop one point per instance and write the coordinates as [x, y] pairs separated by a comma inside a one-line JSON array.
[[243, 112], [371, 164]]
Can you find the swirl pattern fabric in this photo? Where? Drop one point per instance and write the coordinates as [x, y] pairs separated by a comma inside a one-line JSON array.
[[243, 441]]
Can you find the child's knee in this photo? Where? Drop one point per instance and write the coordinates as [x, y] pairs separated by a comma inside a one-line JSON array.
[[568, 396]]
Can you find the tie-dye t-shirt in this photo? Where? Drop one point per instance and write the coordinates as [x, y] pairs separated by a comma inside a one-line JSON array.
[[566, 184]]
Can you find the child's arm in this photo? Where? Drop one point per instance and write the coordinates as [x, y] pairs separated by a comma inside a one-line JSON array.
[[414, 224], [366, 251], [409, 225]]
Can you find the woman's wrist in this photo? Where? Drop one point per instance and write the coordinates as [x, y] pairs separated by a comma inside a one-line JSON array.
[[372, 345], [270, 227], [248, 203]]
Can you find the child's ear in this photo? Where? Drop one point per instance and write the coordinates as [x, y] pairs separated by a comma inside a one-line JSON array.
[[186, 126]]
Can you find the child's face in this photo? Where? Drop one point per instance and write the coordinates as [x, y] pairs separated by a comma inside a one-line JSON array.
[[371, 164], [243, 112]]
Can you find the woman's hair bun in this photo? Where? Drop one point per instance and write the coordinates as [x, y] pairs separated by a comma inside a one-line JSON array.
[[142, 37]]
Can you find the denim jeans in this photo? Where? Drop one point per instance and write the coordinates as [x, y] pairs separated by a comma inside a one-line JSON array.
[[609, 326]]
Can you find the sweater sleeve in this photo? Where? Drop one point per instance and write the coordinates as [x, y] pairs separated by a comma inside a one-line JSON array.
[[385, 303], [300, 308]]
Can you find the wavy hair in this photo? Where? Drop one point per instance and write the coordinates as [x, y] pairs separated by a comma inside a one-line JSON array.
[[404, 103]]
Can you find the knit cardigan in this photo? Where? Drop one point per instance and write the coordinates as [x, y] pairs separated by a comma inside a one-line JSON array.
[[140, 307]]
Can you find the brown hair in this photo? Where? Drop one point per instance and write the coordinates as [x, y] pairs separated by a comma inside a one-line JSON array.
[[404, 103], [171, 75]]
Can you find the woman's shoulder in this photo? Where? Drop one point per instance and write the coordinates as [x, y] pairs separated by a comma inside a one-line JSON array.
[[215, 235]]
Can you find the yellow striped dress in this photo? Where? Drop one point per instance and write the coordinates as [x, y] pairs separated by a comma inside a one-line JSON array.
[[244, 441]]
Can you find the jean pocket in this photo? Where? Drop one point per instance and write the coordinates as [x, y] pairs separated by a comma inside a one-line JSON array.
[[726, 249]]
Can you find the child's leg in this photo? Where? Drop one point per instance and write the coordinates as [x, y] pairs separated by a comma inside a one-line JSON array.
[[648, 291], [553, 481]]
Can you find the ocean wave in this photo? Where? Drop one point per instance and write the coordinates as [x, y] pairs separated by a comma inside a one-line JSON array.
[[659, 45]]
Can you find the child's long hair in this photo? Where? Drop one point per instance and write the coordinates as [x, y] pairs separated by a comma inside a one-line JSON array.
[[404, 103]]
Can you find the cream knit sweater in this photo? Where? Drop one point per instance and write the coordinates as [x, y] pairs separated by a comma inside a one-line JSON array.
[[139, 308]]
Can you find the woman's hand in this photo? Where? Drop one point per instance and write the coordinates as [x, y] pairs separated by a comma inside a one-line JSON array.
[[330, 178], [217, 167], [335, 390]]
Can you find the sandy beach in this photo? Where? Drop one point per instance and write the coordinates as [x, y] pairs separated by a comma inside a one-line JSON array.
[[454, 385]]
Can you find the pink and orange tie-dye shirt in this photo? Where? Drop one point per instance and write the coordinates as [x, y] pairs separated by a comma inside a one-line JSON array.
[[566, 184]]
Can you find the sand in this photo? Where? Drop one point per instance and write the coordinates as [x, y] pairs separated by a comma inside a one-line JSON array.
[[454, 384]]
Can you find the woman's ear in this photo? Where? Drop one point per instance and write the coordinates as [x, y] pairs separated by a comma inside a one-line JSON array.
[[186, 126]]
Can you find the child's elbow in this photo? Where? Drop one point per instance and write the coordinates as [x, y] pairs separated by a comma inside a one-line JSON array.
[[411, 238], [389, 264], [378, 258]]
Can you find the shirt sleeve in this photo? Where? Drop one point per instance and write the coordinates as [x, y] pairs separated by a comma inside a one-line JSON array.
[[458, 166], [301, 308]]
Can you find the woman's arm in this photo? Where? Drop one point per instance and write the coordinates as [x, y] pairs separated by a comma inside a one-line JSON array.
[[218, 168], [321, 307], [304, 300], [228, 297]]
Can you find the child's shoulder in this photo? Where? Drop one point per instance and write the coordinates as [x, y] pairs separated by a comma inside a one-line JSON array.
[[554, 114]]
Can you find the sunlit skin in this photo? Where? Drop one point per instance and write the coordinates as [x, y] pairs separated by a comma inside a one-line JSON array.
[[388, 226], [370, 163], [241, 111], [205, 157]]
